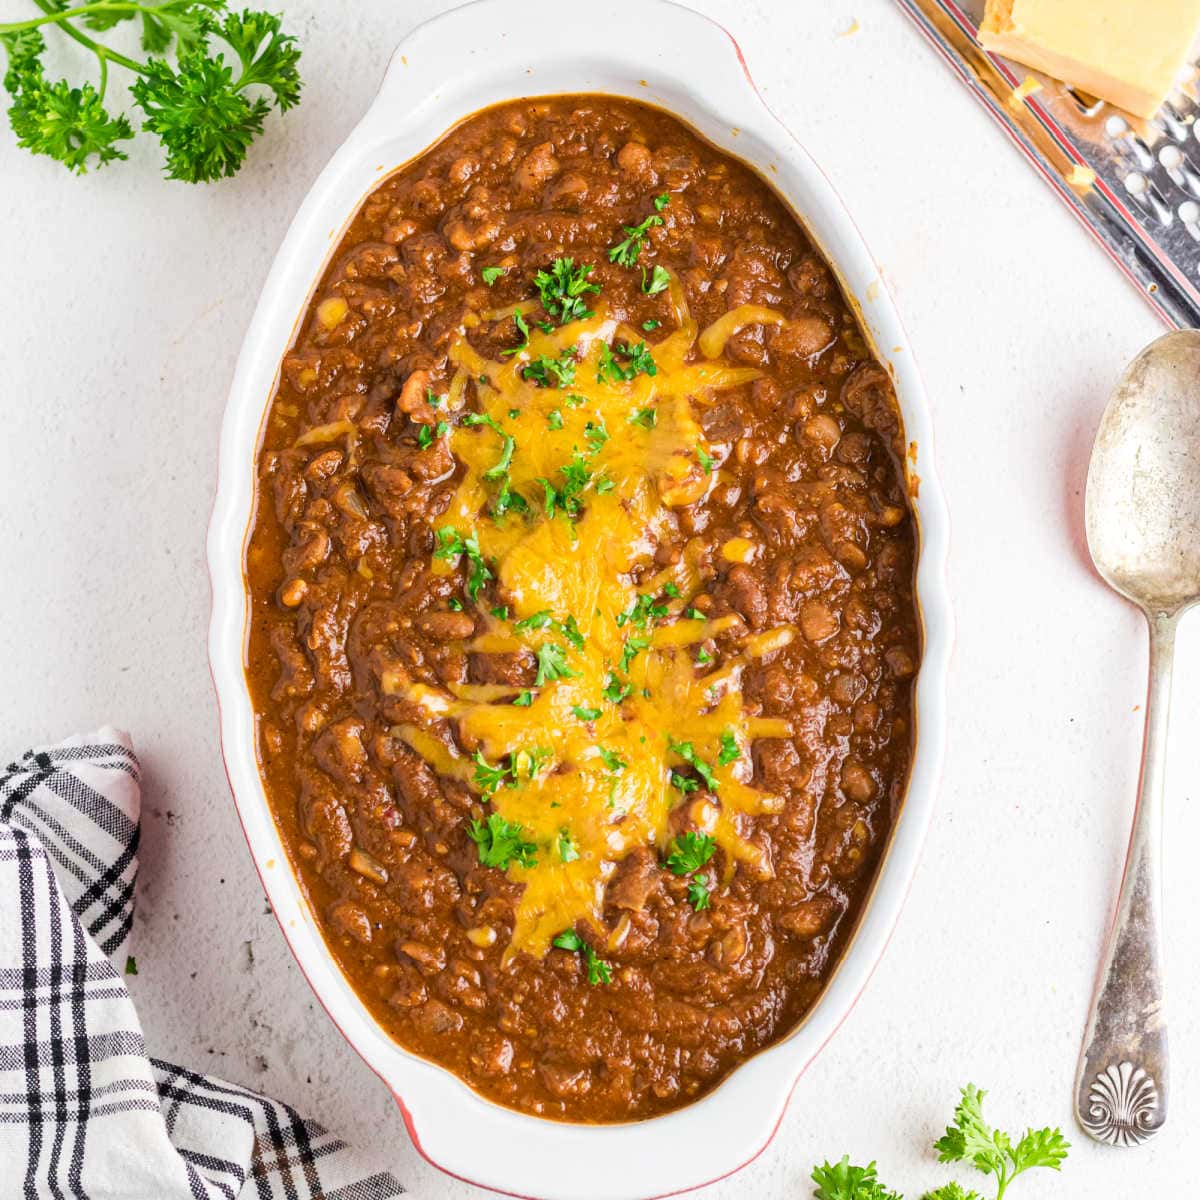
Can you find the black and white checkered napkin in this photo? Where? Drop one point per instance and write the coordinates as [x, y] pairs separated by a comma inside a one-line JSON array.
[[85, 1113]]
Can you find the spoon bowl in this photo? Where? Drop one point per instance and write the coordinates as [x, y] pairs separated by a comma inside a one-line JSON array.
[[1143, 486], [1143, 530]]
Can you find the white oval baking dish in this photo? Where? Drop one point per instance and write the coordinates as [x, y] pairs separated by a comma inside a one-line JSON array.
[[443, 71]]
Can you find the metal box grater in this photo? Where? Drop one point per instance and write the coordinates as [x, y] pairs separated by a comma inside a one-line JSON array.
[[1134, 183]]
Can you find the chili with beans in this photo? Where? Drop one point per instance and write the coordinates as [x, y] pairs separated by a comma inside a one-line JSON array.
[[583, 633]]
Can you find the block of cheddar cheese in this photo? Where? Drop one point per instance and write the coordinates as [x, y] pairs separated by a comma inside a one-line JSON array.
[[1128, 52]]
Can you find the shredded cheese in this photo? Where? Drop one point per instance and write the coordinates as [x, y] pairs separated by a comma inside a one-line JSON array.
[[605, 782]]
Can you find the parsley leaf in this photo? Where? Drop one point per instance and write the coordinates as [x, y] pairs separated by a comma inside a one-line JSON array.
[[626, 253], [651, 325], [565, 844], [552, 664], [706, 460], [491, 274], [630, 651], [569, 940], [568, 498], [844, 1181], [451, 544], [640, 362], [489, 777], [524, 700], [523, 330], [698, 893], [614, 690], [552, 372], [611, 759], [554, 419], [563, 288], [703, 658], [647, 418], [687, 752], [500, 843], [201, 112], [584, 713], [660, 280], [598, 971], [507, 444], [689, 852], [729, 748], [661, 202]]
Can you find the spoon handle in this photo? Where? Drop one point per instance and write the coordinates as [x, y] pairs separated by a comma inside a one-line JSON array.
[[1122, 1086]]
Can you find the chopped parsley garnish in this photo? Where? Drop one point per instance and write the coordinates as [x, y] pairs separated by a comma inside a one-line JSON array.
[[432, 398], [596, 434], [685, 783], [500, 612], [544, 620], [563, 288], [614, 690], [456, 605], [661, 201], [507, 499], [552, 663], [584, 713], [694, 613], [491, 274], [659, 281], [625, 253], [687, 752], [565, 845], [703, 658], [690, 852], [530, 762], [523, 330], [567, 498], [641, 362], [490, 777], [524, 700], [651, 325], [647, 418], [424, 437], [630, 652], [508, 444], [598, 970], [645, 609], [729, 748], [452, 544], [571, 631], [131, 967], [611, 759], [575, 400], [671, 589], [604, 485], [500, 843], [706, 460], [698, 893], [554, 419], [552, 372]]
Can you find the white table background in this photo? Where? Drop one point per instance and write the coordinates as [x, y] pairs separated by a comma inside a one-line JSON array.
[[121, 312]]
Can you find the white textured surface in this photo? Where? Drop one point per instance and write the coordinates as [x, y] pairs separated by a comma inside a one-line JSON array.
[[123, 307]]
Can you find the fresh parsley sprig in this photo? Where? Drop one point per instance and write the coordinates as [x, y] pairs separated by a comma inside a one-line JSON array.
[[206, 109], [968, 1139]]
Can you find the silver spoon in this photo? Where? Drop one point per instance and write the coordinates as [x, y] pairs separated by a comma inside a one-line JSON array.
[[1143, 530]]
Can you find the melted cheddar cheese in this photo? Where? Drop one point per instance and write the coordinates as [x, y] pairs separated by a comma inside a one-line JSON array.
[[589, 750]]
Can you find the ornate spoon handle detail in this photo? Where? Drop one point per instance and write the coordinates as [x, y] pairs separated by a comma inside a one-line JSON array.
[[1122, 1085]]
